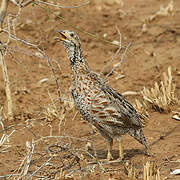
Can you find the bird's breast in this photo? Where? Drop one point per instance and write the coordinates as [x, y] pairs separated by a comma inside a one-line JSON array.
[[83, 90]]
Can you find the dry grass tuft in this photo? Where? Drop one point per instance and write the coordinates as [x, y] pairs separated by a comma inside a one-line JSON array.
[[159, 97], [162, 95], [130, 170], [151, 171], [163, 11]]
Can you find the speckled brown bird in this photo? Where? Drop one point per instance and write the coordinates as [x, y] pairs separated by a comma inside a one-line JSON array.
[[98, 103]]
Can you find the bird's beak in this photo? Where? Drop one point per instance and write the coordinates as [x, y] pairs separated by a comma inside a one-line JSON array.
[[62, 36]]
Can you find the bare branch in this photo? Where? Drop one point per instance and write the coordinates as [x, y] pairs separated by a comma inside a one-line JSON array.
[[58, 6], [41, 52], [3, 9], [114, 56], [29, 177], [7, 84]]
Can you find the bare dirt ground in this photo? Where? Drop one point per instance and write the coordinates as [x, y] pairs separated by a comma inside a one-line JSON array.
[[59, 136]]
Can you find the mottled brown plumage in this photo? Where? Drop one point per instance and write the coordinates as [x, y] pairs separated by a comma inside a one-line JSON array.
[[98, 103]]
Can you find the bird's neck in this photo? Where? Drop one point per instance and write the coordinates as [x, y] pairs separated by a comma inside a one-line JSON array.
[[77, 61]]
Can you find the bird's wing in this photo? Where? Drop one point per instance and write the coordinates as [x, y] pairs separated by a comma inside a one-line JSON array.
[[110, 108]]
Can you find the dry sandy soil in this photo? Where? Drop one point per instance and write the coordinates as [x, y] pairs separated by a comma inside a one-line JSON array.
[[57, 135]]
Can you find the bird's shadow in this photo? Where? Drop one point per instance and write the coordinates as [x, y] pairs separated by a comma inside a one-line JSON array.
[[128, 154]]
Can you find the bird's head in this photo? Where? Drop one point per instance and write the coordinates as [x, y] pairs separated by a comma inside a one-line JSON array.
[[69, 38], [72, 43]]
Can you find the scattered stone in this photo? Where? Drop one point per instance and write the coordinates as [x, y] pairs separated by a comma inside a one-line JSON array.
[[175, 172], [43, 80], [119, 76], [128, 93], [176, 117], [116, 42], [105, 35], [38, 54]]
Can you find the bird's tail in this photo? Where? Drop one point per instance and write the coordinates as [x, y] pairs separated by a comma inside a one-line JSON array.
[[139, 136]]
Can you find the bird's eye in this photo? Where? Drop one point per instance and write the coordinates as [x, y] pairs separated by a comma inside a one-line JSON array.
[[72, 35]]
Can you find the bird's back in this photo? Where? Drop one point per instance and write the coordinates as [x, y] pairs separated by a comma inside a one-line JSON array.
[[102, 105]]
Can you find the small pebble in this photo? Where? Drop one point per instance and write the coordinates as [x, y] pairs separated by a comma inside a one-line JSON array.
[[176, 117]]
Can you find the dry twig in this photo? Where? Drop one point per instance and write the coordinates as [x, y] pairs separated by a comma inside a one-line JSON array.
[[6, 83], [3, 10]]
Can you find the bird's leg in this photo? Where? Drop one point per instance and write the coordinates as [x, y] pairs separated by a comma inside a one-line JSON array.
[[120, 148], [110, 144], [147, 151]]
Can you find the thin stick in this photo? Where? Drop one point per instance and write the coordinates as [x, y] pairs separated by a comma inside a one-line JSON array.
[[114, 56], [3, 9], [39, 168], [7, 84], [58, 6], [80, 28]]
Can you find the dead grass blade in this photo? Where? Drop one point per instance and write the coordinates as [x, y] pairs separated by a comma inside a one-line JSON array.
[[151, 171]]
